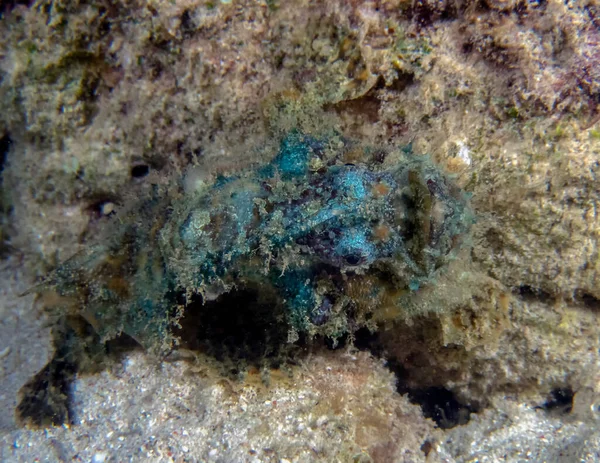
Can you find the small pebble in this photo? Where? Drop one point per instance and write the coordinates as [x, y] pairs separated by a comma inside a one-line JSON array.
[[108, 208], [322, 420]]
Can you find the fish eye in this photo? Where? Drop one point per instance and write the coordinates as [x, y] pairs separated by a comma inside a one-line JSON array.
[[353, 259]]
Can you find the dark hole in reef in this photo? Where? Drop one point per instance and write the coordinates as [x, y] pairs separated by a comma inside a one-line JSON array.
[[156, 68], [241, 328], [335, 343], [5, 144], [140, 171], [441, 405], [398, 84], [467, 47], [116, 348], [560, 400], [438, 403], [589, 301], [187, 24], [367, 340], [531, 294], [426, 13], [6, 6]]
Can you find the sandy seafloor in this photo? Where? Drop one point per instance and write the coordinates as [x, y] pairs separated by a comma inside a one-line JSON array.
[[142, 410]]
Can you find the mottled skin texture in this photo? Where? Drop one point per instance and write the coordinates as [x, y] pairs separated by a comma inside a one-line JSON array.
[[300, 227]]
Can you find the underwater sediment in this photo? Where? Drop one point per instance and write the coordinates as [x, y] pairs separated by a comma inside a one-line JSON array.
[[253, 187]]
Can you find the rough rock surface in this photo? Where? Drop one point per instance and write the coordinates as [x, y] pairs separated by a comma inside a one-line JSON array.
[[100, 100]]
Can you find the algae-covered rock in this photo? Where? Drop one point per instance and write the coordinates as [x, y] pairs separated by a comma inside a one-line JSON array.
[[115, 112]]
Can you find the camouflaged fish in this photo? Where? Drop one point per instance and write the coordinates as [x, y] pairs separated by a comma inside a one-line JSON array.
[[305, 227]]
